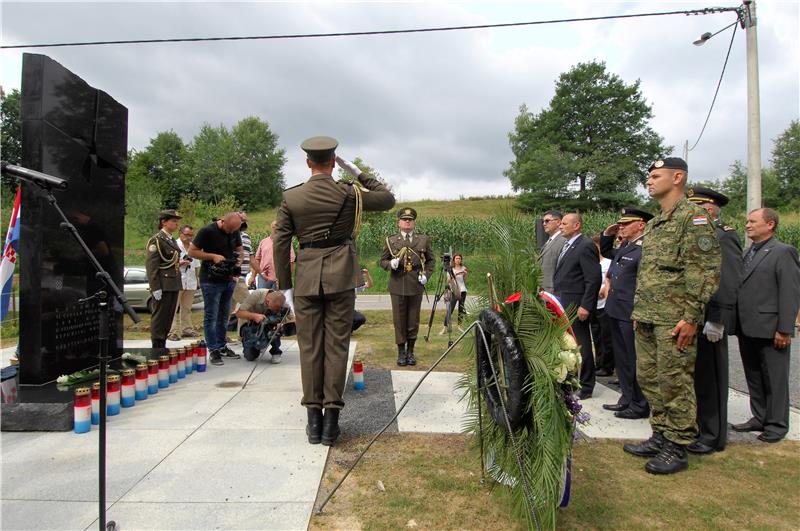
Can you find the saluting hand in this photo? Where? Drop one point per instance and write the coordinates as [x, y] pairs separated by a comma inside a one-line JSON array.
[[684, 334]]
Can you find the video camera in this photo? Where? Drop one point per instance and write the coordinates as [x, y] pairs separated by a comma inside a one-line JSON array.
[[226, 269], [446, 258]]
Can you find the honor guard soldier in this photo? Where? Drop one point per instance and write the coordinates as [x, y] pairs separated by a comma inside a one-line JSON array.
[[620, 285], [163, 275], [678, 273], [711, 367], [410, 262], [325, 215]]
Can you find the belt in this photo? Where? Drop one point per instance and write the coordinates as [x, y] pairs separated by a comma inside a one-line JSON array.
[[324, 244]]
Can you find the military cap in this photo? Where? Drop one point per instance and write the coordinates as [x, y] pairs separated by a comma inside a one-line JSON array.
[[320, 148], [630, 214], [168, 214], [671, 163], [700, 195], [407, 213]]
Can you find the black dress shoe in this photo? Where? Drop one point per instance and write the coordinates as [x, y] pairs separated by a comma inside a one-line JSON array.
[[314, 426], [330, 426], [631, 414], [769, 437], [698, 447], [750, 425], [583, 395], [604, 372], [615, 407], [615, 381]]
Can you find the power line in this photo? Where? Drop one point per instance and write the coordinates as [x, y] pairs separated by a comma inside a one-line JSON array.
[[704, 11], [719, 84]]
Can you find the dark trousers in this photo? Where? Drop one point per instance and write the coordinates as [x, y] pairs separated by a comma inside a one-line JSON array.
[[601, 337], [161, 320], [767, 372], [623, 340], [405, 314], [711, 389], [324, 323], [358, 320], [583, 335], [461, 300]]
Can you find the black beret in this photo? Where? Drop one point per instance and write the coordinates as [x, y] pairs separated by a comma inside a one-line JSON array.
[[630, 214], [407, 213], [671, 163], [700, 195], [320, 148]]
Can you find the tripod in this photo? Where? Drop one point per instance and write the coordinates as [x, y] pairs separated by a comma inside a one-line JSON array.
[[447, 293]]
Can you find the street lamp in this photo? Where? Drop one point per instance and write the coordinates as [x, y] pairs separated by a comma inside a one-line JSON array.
[[747, 18]]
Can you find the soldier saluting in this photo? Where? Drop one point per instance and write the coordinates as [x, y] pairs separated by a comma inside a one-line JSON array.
[[164, 277], [410, 262]]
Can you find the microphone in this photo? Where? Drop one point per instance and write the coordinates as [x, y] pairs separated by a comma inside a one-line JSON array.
[[42, 179]]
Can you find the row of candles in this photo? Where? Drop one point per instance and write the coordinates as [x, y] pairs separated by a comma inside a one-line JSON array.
[[137, 384]]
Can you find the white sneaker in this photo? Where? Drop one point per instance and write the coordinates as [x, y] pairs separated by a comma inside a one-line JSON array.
[[276, 359]]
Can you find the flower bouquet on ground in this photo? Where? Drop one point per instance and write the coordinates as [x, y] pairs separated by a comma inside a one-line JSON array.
[[524, 378]]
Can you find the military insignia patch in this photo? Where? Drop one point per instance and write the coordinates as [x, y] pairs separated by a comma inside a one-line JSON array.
[[639, 242], [705, 243], [152, 248], [658, 163], [699, 220]]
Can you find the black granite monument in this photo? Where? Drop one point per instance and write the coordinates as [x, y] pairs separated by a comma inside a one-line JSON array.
[[73, 131]]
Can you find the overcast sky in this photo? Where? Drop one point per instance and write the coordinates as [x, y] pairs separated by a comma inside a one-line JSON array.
[[431, 112]]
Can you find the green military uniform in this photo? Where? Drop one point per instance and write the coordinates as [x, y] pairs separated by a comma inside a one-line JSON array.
[[405, 290], [163, 274], [322, 213], [678, 273]]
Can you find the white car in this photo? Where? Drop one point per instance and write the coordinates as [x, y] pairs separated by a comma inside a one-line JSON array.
[[137, 290]]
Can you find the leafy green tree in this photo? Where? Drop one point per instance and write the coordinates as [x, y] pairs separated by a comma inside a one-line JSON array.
[[211, 163], [786, 163], [142, 198], [258, 163], [735, 187], [589, 148], [10, 135], [163, 162]]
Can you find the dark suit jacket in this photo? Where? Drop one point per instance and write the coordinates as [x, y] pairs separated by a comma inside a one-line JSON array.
[[769, 293], [721, 308], [622, 276], [402, 282], [309, 211], [547, 259], [577, 277]]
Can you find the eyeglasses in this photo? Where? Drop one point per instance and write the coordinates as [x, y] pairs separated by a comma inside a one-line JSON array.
[[189, 235], [549, 220]]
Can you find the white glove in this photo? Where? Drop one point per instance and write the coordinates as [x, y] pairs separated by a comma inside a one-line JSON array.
[[289, 295], [157, 294], [395, 263], [713, 331], [422, 279], [348, 166]]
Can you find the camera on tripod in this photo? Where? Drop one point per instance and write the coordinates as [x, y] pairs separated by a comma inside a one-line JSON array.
[[446, 257]]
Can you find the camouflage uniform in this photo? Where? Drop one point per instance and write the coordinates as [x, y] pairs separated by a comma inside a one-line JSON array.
[[678, 273]]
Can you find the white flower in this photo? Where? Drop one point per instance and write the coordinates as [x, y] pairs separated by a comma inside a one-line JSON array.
[[62, 379], [568, 342], [560, 373]]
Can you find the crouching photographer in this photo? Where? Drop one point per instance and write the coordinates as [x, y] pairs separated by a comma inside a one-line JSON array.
[[264, 313]]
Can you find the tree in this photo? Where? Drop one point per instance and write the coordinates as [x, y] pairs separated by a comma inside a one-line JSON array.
[[163, 164], [10, 134], [786, 163], [589, 148], [258, 163]]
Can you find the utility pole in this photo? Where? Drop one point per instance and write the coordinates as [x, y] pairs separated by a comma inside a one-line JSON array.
[[748, 20]]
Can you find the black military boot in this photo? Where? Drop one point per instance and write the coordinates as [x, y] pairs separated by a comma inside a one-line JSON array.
[[330, 426], [671, 459], [314, 426], [410, 359], [401, 355], [649, 448]]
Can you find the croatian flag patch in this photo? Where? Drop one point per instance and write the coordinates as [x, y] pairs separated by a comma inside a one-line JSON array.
[[699, 220]]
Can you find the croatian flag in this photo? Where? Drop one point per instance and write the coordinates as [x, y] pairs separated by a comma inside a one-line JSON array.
[[9, 257]]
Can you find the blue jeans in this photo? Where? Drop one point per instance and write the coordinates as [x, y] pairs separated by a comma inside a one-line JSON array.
[[217, 307], [261, 283]]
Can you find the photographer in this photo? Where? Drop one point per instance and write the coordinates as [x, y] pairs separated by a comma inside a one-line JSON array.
[[263, 312], [458, 291], [219, 246], [182, 322]]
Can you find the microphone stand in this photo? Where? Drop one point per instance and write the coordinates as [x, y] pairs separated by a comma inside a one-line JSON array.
[[101, 296]]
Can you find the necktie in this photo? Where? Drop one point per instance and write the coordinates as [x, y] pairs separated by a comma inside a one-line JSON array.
[[563, 252], [748, 257], [408, 238]]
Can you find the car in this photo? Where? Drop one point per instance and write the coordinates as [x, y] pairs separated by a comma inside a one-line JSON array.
[[137, 291]]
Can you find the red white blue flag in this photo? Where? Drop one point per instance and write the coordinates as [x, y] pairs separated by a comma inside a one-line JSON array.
[[9, 257]]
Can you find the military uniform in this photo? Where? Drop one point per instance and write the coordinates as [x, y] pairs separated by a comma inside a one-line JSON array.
[[322, 213], [678, 273], [415, 258], [711, 367], [163, 274]]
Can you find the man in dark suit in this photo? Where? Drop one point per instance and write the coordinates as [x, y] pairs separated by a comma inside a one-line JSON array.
[[621, 286], [576, 282], [163, 276], [711, 367], [767, 304], [322, 214], [409, 259], [548, 255]]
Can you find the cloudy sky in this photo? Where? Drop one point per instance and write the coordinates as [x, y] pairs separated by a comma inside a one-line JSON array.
[[431, 112]]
